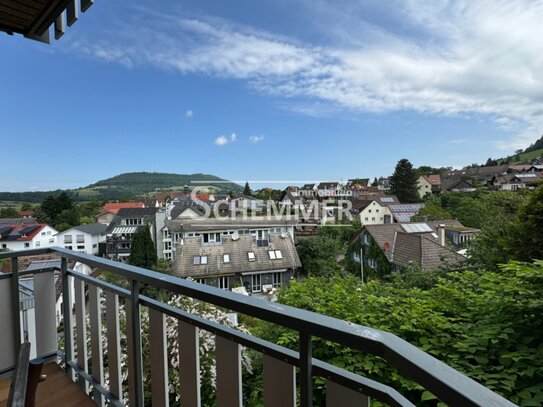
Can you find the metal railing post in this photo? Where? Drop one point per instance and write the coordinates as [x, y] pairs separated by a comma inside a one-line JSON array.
[[67, 311], [15, 303], [135, 326], [306, 371]]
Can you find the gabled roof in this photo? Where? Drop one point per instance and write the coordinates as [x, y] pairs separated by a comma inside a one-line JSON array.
[[434, 179], [448, 184], [404, 212], [131, 213], [20, 232], [227, 223], [114, 207], [238, 251], [328, 185], [423, 248], [95, 229]]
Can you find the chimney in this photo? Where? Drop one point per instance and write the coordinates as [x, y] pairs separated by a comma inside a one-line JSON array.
[[441, 234]]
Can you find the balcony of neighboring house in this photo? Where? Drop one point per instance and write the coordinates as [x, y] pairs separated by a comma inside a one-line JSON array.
[[115, 348]]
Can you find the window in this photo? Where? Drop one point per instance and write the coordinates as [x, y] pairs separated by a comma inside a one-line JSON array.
[[251, 256], [223, 283], [80, 238], [366, 219], [276, 279], [94, 246], [68, 247], [211, 238], [226, 258], [167, 245], [256, 285], [67, 238], [275, 254], [51, 241], [37, 244], [200, 280], [27, 244], [81, 247], [200, 260], [373, 219]]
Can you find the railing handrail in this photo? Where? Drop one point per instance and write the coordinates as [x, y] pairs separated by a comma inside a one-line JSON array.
[[443, 381]]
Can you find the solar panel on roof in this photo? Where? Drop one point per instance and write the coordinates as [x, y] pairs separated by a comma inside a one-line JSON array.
[[28, 229], [386, 199], [417, 228], [4, 229]]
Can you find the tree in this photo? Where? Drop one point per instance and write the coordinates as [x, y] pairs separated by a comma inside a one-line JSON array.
[[485, 324], [53, 206], [319, 255], [526, 240], [143, 251], [247, 190], [403, 182], [26, 206], [9, 213]]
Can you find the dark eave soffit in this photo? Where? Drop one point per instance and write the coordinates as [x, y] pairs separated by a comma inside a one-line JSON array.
[[33, 18]]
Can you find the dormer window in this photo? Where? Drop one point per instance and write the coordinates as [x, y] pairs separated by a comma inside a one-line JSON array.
[[200, 260], [251, 256]]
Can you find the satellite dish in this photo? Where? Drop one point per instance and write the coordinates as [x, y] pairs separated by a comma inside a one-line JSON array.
[[235, 236]]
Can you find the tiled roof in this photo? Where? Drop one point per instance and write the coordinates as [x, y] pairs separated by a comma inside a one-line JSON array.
[[17, 221], [20, 232], [115, 206], [225, 223], [239, 261], [423, 250], [94, 229], [434, 179]]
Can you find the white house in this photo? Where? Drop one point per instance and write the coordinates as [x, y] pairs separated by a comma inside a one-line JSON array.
[[20, 235], [83, 238], [371, 212]]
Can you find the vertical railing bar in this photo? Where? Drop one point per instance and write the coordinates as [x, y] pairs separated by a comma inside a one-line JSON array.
[[15, 302], [113, 344], [135, 326], [81, 329], [67, 310], [97, 356], [159, 361], [306, 371]]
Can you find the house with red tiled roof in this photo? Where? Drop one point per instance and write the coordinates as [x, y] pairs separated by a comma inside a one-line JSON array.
[[16, 234], [112, 208], [428, 184]]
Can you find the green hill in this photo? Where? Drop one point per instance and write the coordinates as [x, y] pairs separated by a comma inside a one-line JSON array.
[[133, 184], [528, 156]]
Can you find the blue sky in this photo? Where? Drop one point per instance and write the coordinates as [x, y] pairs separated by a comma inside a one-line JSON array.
[[270, 90]]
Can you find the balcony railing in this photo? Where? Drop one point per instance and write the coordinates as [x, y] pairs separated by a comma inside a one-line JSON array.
[[343, 388]]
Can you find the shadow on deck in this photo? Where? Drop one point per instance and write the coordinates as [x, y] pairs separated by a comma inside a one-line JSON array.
[[56, 390]]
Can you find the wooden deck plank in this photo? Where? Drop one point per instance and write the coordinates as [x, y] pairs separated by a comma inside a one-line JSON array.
[[56, 390]]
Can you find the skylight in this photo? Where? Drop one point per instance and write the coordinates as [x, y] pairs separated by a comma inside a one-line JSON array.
[[417, 228]]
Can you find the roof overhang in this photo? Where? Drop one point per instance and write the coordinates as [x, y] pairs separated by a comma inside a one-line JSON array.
[[33, 18]]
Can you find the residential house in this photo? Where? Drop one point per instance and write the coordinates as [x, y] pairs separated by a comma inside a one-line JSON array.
[[460, 235], [246, 203], [84, 238], [397, 246], [329, 189], [514, 182], [20, 234], [236, 261], [26, 214], [383, 184], [112, 208], [429, 184], [120, 231], [458, 185], [212, 230], [292, 199], [308, 191], [402, 213], [372, 211]]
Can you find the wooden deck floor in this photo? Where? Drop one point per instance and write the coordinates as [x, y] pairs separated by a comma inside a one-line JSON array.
[[56, 390]]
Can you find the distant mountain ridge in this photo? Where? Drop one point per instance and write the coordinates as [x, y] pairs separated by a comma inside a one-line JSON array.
[[130, 185]]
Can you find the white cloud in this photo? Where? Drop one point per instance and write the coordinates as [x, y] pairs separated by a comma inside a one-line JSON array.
[[452, 57], [221, 141], [256, 139], [189, 114]]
